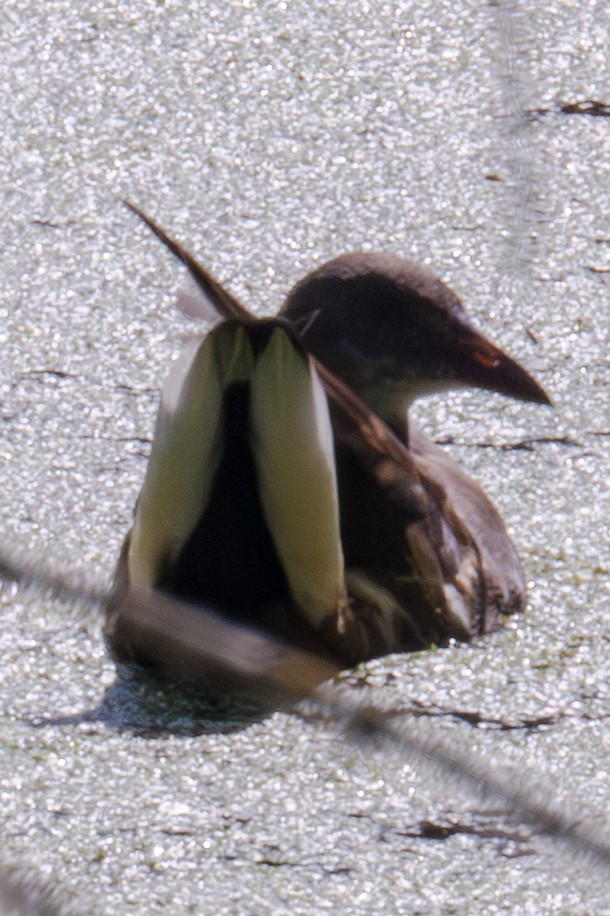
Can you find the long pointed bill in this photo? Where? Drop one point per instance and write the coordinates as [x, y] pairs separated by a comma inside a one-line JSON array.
[[479, 362]]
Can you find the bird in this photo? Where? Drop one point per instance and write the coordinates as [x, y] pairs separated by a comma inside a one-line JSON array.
[[288, 489], [393, 332]]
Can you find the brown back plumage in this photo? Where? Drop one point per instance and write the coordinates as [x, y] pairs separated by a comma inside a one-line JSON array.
[[426, 555]]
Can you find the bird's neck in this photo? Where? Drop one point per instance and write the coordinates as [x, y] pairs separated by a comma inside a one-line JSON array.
[[391, 406]]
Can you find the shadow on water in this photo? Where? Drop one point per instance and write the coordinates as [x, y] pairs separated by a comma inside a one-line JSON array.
[[142, 704]]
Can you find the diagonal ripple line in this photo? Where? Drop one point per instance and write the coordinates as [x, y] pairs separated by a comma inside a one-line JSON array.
[[24, 575], [239, 655], [531, 804]]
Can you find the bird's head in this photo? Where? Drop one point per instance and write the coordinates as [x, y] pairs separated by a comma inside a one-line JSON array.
[[392, 331]]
